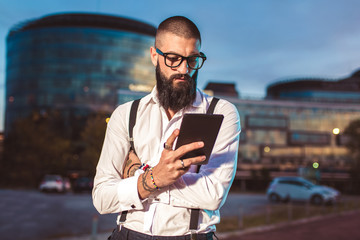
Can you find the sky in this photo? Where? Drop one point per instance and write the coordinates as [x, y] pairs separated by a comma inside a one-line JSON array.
[[249, 43]]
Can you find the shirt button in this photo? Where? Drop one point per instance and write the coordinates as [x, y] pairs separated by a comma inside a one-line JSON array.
[[133, 206]]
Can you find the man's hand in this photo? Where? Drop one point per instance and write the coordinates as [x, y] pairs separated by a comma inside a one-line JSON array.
[[131, 164], [171, 166]]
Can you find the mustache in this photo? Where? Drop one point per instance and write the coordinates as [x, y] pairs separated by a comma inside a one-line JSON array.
[[185, 76]]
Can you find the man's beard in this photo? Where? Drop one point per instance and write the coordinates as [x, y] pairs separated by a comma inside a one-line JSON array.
[[175, 97]]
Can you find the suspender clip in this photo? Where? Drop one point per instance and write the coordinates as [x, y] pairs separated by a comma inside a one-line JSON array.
[[193, 235], [121, 218]]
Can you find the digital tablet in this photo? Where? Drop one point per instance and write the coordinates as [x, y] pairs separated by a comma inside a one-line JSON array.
[[199, 127]]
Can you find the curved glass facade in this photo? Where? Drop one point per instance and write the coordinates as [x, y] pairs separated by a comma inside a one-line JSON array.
[[77, 69]]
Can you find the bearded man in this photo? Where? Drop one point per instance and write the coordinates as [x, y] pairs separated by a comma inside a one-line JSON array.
[[156, 188]]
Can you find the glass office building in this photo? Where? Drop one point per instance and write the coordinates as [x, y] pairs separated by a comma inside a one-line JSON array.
[[75, 63], [286, 135], [300, 122], [297, 129]]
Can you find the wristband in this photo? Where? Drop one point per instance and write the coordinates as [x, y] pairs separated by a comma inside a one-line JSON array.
[[144, 167]]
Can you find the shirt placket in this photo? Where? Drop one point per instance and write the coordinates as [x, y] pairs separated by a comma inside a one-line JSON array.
[[167, 128]]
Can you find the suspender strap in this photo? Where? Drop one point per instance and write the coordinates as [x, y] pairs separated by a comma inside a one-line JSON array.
[[210, 110], [212, 106], [132, 121], [194, 217], [123, 216]]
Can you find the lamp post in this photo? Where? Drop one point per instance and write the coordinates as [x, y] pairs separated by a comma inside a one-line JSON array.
[[336, 132]]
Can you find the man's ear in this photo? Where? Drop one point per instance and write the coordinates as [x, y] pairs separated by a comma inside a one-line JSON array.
[[154, 56]]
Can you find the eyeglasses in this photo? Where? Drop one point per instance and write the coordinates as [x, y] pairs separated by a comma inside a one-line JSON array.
[[174, 60]]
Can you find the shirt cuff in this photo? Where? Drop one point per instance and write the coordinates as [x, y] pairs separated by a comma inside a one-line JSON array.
[[128, 195]]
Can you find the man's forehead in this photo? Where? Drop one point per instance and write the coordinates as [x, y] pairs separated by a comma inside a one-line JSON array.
[[169, 38], [164, 37]]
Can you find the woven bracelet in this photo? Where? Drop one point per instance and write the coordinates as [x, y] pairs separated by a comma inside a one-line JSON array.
[[144, 166]]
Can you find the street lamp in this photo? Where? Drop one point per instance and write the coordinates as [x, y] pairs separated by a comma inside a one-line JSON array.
[[267, 149], [336, 131], [315, 165]]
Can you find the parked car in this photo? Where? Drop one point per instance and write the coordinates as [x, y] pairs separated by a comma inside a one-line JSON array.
[[298, 188], [83, 184], [54, 183]]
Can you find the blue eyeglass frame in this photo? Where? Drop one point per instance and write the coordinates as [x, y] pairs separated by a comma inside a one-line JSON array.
[[202, 55]]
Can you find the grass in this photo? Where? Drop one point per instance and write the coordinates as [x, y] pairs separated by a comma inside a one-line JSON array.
[[281, 213]]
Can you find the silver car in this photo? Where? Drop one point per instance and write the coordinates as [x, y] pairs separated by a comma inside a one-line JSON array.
[[54, 183], [300, 189]]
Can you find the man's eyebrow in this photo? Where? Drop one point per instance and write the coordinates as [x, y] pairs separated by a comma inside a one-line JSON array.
[[191, 54]]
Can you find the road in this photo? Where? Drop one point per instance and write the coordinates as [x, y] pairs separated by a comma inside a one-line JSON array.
[[341, 227], [247, 203], [33, 215]]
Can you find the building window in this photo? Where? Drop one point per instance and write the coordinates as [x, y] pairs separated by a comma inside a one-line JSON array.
[[266, 122], [308, 138]]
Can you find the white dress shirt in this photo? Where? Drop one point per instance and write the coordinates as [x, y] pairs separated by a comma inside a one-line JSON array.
[[166, 211]]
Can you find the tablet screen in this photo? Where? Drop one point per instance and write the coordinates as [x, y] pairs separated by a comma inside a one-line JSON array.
[[199, 127]]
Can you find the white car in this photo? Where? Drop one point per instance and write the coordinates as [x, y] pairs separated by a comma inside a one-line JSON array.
[[54, 183], [300, 189]]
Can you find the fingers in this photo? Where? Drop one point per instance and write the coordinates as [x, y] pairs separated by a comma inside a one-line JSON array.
[[170, 141], [181, 151], [182, 164], [183, 167], [190, 161], [174, 156]]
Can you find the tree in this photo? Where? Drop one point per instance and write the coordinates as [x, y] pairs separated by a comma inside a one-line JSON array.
[[92, 140], [352, 131], [43, 144], [35, 146]]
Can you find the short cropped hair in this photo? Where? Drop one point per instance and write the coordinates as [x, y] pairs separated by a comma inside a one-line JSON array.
[[180, 26]]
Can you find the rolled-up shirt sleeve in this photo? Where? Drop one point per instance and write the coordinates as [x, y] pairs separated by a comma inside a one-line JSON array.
[[208, 189], [111, 193]]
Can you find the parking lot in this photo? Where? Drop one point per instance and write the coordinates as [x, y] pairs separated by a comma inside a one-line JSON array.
[[34, 215]]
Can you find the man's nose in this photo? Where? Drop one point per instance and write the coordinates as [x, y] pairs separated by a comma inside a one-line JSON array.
[[183, 67]]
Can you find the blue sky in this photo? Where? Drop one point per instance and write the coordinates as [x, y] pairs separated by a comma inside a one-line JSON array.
[[250, 43]]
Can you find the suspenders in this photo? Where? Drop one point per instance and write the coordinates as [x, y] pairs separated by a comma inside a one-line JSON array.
[[132, 122], [194, 217]]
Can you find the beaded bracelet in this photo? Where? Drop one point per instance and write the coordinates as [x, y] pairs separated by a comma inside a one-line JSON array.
[[152, 179]]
